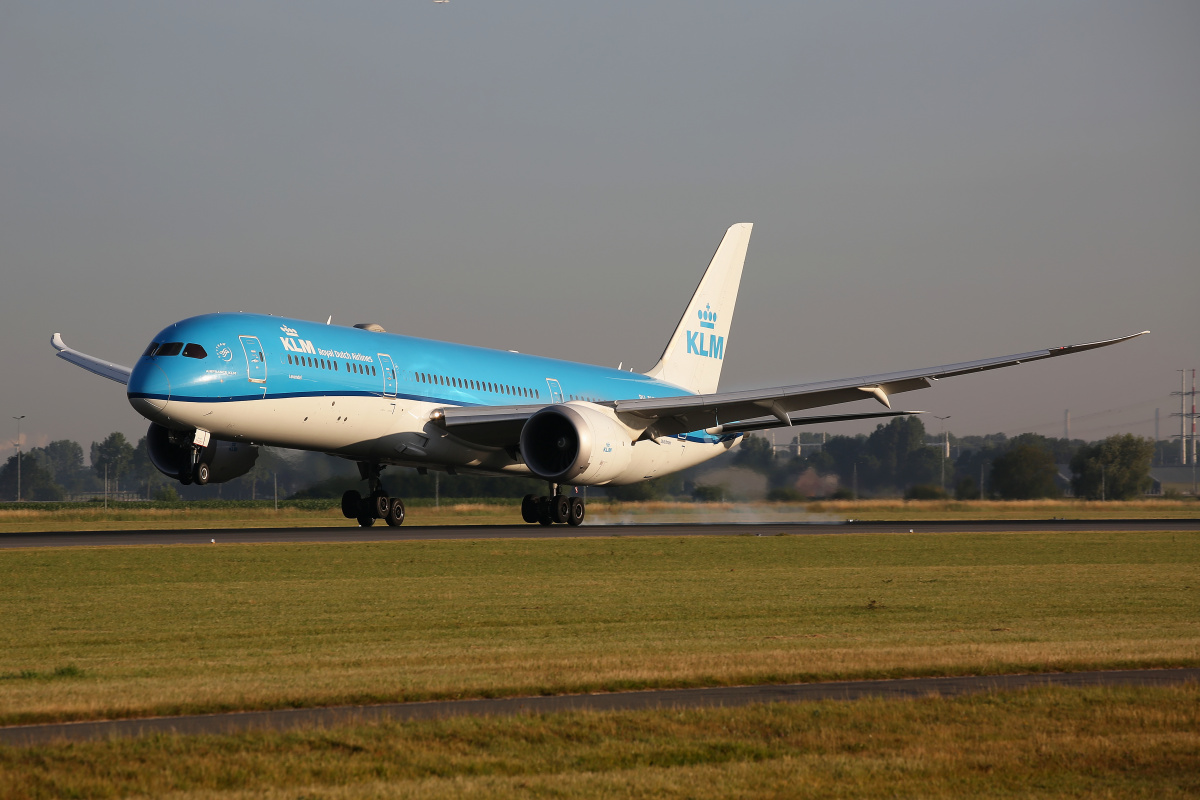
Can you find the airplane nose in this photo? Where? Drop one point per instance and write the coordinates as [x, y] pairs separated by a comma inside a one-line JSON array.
[[149, 389]]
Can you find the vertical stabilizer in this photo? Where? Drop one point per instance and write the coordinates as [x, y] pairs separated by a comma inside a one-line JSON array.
[[696, 351]]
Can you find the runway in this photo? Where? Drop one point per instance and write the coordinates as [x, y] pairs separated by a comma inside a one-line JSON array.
[[290, 719], [351, 533]]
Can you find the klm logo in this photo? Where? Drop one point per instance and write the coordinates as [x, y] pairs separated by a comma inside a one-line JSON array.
[[301, 346], [706, 344]]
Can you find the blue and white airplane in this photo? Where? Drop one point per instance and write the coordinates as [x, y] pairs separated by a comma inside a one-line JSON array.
[[217, 386]]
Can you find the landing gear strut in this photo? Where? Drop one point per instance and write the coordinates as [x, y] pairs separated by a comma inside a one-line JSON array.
[[557, 508], [376, 505]]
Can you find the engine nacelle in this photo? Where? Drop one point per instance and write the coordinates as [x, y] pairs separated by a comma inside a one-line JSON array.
[[575, 443], [170, 452]]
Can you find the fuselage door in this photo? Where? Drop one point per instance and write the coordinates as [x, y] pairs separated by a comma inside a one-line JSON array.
[[256, 359], [389, 374], [555, 390]]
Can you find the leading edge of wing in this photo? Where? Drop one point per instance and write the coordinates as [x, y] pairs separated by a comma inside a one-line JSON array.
[[106, 369], [780, 400]]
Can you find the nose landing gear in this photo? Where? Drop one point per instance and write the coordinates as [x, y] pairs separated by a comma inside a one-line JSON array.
[[376, 505]]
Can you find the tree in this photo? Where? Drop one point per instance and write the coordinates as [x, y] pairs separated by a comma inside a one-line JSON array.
[[37, 482], [1025, 472], [900, 456], [65, 461], [114, 455], [1117, 468], [756, 453]]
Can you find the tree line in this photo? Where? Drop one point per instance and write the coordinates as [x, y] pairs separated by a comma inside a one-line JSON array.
[[895, 459]]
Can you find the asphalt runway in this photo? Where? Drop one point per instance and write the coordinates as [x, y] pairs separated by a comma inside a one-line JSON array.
[[382, 533], [291, 719]]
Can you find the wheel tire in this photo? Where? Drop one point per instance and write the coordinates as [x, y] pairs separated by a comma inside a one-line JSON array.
[[381, 504], [351, 501], [203, 473], [366, 521], [575, 512], [560, 508], [529, 508], [395, 515], [544, 516]]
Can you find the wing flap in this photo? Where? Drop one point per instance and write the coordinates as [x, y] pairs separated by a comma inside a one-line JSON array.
[[105, 369]]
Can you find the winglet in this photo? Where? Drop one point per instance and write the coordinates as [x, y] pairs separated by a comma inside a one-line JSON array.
[[106, 369]]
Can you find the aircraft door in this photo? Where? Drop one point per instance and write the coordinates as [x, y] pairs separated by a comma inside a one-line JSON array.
[[389, 374], [256, 359], [556, 395]]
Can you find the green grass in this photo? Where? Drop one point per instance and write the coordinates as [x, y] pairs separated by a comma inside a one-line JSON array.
[[1069, 743], [160, 630]]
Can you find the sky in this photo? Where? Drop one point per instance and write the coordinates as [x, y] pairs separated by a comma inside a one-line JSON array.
[[930, 183]]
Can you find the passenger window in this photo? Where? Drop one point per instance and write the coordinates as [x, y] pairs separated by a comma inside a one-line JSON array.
[[150, 350], [537, 395]]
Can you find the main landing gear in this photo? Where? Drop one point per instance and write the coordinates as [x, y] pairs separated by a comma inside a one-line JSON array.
[[557, 508], [376, 505]]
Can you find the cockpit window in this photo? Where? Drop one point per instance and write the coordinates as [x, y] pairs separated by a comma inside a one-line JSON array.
[[195, 351], [150, 350], [169, 349]]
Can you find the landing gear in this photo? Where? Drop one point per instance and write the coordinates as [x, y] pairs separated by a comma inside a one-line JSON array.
[[555, 509], [376, 505], [529, 504], [202, 474]]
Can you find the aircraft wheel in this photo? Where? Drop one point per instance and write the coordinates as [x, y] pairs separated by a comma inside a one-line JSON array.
[[366, 521], [544, 514], [351, 501], [203, 473], [381, 504], [395, 515], [529, 508], [560, 508], [575, 511]]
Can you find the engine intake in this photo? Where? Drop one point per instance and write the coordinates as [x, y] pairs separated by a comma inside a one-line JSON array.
[[570, 443]]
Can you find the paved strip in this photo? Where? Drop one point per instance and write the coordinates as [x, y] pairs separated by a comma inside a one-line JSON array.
[[731, 696], [435, 532]]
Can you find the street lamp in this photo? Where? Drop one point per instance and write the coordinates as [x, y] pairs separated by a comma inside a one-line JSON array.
[[18, 419]]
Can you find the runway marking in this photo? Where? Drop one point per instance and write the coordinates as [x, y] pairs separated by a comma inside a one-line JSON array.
[[730, 696]]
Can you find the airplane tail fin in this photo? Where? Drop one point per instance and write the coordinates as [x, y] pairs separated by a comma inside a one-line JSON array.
[[696, 350]]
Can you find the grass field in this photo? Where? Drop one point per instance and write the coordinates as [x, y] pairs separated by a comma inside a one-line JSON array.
[[16, 518], [110, 632], [1124, 743]]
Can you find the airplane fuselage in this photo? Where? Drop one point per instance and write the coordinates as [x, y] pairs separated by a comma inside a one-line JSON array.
[[371, 396]]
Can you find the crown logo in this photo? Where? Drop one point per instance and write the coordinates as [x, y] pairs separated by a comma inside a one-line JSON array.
[[708, 318]]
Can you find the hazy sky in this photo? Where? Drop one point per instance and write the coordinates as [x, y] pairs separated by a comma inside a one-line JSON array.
[[929, 183]]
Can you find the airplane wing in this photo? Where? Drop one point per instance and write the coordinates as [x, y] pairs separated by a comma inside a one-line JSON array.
[[114, 372], [673, 415], [742, 411]]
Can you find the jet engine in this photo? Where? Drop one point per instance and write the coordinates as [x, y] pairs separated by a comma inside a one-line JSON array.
[[170, 452], [575, 443]]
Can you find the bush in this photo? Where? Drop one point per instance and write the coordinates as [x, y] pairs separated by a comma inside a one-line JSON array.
[[785, 494], [925, 491], [166, 494], [708, 494], [966, 489]]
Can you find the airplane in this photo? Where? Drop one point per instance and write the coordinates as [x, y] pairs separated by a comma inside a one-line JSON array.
[[216, 387]]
